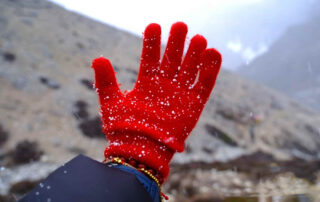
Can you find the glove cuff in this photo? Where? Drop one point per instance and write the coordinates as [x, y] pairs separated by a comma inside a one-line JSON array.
[[141, 148]]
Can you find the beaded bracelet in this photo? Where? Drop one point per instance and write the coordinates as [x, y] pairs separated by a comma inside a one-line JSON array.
[[142, 170]]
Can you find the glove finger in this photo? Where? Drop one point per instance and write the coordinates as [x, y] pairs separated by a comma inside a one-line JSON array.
[[210, 63], [105, 79], [173, 54], [150, 57], [189, 68]]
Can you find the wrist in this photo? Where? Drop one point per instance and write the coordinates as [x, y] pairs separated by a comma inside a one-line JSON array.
[[143, 150]]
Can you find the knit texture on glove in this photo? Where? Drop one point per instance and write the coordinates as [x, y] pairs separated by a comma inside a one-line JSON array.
[[152, 121]]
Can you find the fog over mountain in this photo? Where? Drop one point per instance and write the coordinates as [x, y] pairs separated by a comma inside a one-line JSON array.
[[242, 33], [241, 29], [292, 65]]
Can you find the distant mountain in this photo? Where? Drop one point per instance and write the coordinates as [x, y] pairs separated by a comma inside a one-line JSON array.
[[292, 64], [251, 24], [254, 25], [47, 96]]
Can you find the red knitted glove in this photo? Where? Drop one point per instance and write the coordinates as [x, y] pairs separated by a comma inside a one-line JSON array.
[[151, 122]]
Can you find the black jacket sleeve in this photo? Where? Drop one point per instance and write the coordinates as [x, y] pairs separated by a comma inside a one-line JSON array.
[[85, 180]]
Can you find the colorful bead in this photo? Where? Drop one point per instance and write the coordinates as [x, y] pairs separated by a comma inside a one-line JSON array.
[[141, 166], [151, 171]]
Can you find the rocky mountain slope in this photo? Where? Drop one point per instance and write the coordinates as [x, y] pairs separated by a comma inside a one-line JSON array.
[[292, 64], [47, 96]]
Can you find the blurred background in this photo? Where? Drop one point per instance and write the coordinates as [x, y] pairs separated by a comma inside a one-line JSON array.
[[258, 139]]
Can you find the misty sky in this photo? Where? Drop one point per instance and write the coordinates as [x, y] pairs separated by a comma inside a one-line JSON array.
[[240, 29]]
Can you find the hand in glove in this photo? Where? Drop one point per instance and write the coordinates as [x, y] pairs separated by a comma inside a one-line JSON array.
[[152, 121]]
